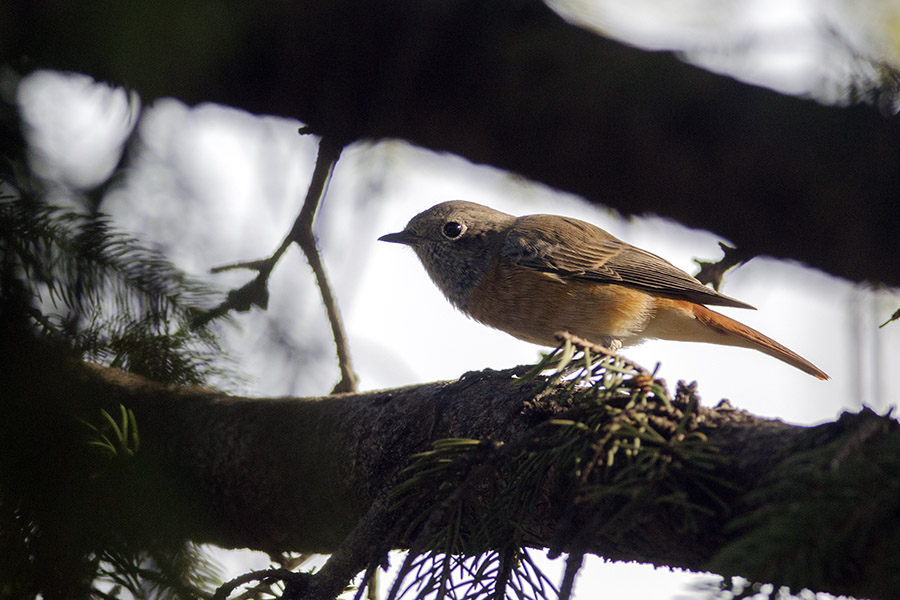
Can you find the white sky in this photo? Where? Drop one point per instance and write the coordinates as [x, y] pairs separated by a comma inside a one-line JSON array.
[[213, 186]]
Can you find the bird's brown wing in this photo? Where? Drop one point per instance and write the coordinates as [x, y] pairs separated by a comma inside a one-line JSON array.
[[576, 249]]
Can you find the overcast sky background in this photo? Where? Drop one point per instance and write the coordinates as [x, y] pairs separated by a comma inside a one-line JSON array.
[[211, 185]]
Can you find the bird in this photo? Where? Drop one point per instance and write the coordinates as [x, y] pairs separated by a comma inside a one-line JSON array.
[[535, 276]]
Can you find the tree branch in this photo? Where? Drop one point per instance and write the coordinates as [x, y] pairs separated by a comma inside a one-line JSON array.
[[256, 291], [638, 131], [294, 474]]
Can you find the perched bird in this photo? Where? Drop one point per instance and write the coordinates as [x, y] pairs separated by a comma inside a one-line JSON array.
[[537, 275]]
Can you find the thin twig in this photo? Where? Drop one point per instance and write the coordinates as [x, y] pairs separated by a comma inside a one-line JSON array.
[[255, 292], [573, 565], [360, 550], [894, 317], [372, 584], [714, 272], [302, 234], [264, 575], [369, 584]]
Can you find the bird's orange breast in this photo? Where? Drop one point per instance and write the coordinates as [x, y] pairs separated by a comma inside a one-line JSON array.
[[533, 306]]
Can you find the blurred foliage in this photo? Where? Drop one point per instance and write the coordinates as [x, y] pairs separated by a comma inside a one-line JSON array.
[[106, 297], [71, 285]]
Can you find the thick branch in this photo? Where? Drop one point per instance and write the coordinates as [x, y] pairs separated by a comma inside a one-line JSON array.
[[297, 474], [310, 475], [512, 85]]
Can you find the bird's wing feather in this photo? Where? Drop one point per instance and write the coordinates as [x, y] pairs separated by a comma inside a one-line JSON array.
[[576, 249]]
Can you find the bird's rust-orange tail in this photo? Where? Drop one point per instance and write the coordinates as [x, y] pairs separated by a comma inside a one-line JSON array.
[[753, 339]]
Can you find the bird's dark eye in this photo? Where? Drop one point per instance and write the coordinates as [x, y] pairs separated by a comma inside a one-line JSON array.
[[453, 229]]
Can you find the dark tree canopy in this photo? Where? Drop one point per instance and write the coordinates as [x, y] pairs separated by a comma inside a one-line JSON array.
[[512, 85]]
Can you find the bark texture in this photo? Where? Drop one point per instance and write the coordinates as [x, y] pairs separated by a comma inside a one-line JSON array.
[[311, 475]]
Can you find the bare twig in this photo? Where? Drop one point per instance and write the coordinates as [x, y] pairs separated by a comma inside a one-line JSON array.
[[256, 293], [369, 583], [361, 549], [265, 576], [894, 317], [302, 233], [713, 272], [573, 565], [372, 584]]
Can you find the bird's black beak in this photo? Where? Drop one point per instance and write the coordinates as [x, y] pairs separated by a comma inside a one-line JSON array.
[[401, 237]]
